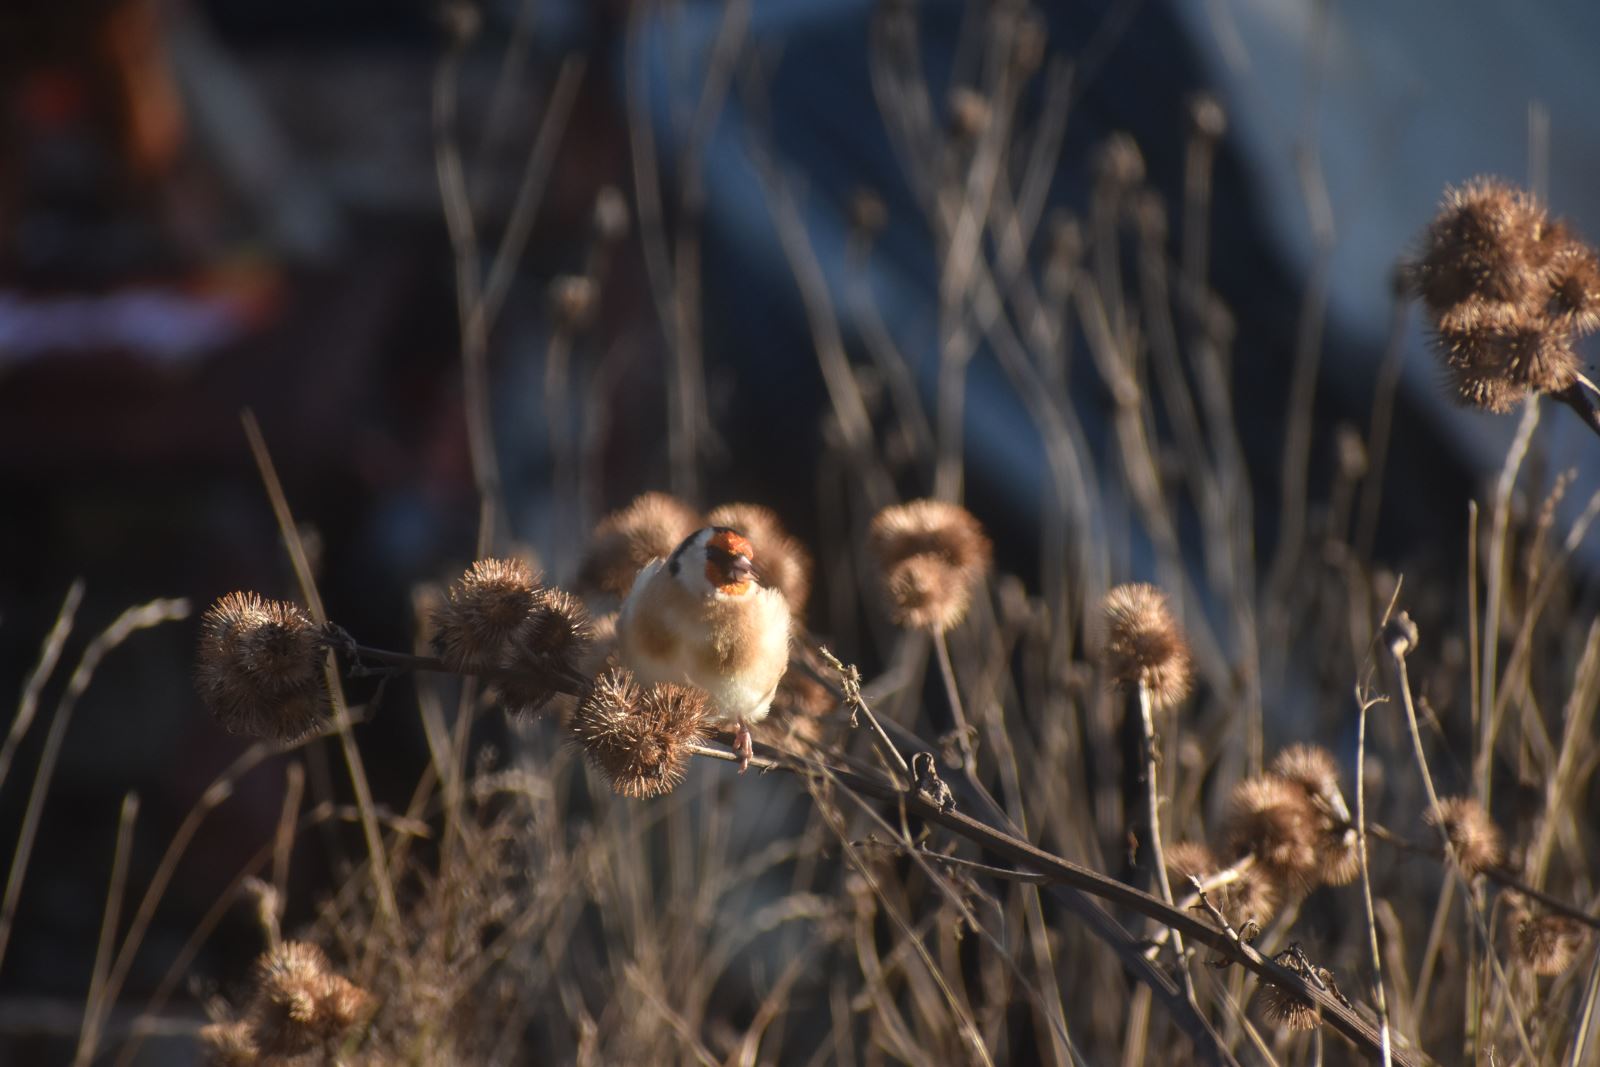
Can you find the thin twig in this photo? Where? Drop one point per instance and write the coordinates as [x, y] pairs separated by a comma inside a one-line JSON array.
[[1397, 659], [49, 654], [126, 625], [850, 681], [1064, 873], [341, 712], [98, 1004]]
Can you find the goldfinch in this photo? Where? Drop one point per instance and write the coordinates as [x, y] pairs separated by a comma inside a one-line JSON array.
[[701, 617]]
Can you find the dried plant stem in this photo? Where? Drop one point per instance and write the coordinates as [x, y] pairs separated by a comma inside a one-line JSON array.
[[1499, 875], [126, 625], [1584, 1033], [1488, 721], [530, 191], [220, 789], [176, 970], [341, 712], [850, 679], [98, 1004], [1225, 877], [49, 655], [294, 791], [1061, 872], [1398, 661], [474, 325], [1158, 855], [1382, 423], [1379, 997], [941, 645]]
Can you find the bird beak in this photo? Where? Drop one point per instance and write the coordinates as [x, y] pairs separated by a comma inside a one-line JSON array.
[[741, 568]]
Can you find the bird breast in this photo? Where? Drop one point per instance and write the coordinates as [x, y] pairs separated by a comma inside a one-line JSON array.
[[734, 648]]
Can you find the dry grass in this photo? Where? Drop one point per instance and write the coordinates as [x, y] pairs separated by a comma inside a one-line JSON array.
[[949, 864]]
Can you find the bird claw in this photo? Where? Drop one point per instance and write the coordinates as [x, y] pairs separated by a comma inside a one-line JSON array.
[[743, 746]]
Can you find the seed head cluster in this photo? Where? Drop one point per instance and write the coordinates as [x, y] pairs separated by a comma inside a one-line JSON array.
[[1145, 646], [931, 557], [637, 737], [473, 628], [1508, 290], [552, 643], [1473, 835], [628, 539], [260, 667], [1243, 894], [498, 618], [298, 1005], [1295, 822], [1542, 942]]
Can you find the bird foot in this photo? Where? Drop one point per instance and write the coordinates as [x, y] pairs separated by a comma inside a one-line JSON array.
[[743, 746]]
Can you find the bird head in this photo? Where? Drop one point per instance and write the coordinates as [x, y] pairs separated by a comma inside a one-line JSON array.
[[715, 560]]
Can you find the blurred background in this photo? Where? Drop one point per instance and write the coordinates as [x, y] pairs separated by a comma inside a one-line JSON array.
[[285, 207]]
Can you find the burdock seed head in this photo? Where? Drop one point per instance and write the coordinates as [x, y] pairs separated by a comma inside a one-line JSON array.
[[1543, 943], [931, 555], [626, 540], [1472, 833], [639, 739], [1497, 353], [1288, 1009], [1189, 858], [1313, 769], [1481, 245], [547, 650], [1274, 820], [482, 611], [299, 1002], [260, 667], [1145, 645], [782, 562], [1573, 278], [1243, 895]]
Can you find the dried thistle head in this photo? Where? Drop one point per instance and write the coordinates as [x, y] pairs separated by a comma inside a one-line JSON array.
[[931, 556], [1573, 278], [299, 1002], [1186, 859], [549, 648], [1242, 894], [783, 562], [639, 738], [628, 539], [482, 612], [1543, 943], [1119, 162], [260, 667], [1253, 896], [1288, 1009], [1145, 645], [1314, 770], [572, 301], [1496, 353], [1473, 835], [1480, 245], [1275, 821]]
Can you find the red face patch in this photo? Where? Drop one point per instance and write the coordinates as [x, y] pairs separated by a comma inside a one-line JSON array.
[[728, 562], [733, 542]]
